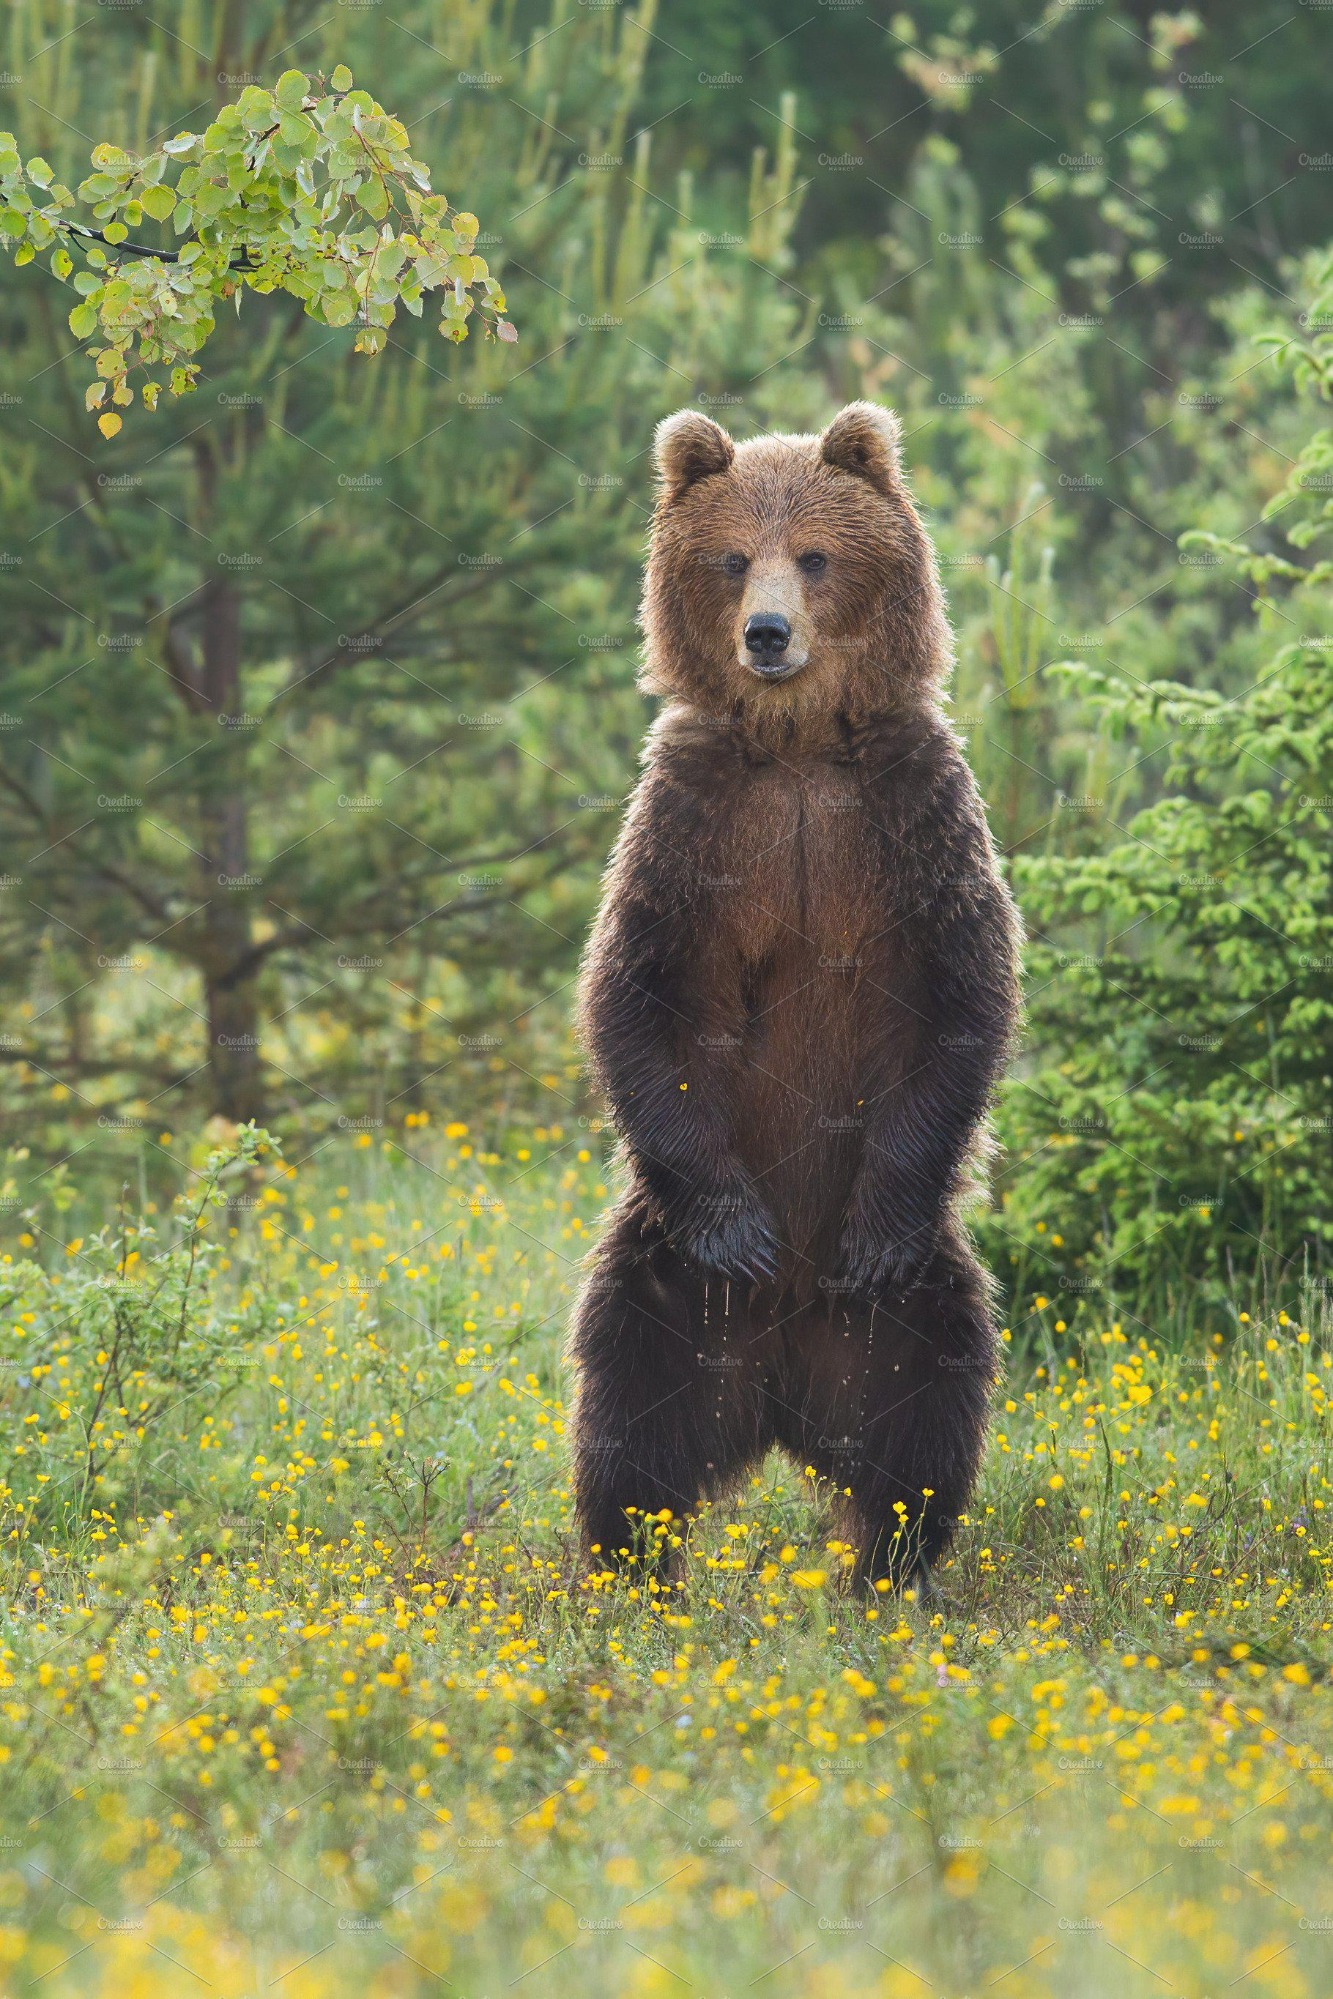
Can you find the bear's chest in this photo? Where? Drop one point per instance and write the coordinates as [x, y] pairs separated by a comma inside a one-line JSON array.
[[809, 906], [803, 861]]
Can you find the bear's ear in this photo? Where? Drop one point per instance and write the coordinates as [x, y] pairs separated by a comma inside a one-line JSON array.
[[864, 440], [689, 446]]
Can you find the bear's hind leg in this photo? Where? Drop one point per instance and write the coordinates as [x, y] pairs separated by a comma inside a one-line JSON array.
[[665, 1412], [894, 1397], [925, 1416]]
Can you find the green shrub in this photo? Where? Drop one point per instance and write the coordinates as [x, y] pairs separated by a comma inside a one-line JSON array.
[[1176, 1131]]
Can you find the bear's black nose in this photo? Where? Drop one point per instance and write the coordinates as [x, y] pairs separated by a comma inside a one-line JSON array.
[[767, 636]]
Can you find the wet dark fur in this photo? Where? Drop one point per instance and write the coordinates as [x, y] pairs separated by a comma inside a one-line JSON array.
[[799, 993]]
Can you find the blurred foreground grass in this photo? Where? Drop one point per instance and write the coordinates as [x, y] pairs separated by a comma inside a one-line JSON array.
[[305, 1691]]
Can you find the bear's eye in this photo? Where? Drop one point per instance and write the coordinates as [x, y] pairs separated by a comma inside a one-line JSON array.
[[813, 563], [735, 565]]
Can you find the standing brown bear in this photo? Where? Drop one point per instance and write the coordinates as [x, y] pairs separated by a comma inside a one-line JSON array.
[[800, 991]]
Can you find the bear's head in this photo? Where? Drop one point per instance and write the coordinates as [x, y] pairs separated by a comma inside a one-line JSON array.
[[790, 577]]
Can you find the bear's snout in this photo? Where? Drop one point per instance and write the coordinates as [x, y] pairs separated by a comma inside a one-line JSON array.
[[767, 637], [772, 632]]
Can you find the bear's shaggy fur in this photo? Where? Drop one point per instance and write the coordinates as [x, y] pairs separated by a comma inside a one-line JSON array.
[[799, 993]]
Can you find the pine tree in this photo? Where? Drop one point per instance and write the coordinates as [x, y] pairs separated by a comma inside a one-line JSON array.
[[319, 693]]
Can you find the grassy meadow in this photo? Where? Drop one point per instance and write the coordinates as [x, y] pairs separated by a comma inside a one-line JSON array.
[[306, 1692]]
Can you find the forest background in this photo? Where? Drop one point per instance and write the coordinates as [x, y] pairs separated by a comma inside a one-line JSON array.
[[318, 706]]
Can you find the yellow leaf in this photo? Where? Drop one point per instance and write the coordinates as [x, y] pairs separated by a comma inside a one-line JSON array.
[[108, 423]]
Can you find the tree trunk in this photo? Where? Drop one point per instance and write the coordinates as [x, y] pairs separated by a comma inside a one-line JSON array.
[[231, 990], [233, 1049]]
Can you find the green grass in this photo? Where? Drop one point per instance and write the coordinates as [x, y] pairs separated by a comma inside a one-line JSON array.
[[307, 1692]]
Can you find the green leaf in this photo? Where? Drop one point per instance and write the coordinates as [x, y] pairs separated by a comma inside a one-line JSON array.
[[83, 320], [374, 198], [39, 171], [158, 202], [255, 107], [291, 89], [341, 78]]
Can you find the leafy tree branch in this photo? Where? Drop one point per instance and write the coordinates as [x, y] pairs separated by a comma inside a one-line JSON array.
[[309, 188]]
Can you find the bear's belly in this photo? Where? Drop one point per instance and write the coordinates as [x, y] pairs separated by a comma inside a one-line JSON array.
[[801, 1119], [812, 1003]]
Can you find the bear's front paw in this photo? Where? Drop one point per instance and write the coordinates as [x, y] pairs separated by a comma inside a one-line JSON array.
[[731, 1237], [875, 1268]]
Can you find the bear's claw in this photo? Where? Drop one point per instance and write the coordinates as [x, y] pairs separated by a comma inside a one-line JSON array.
[[740, 1244], [873, 1268]]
